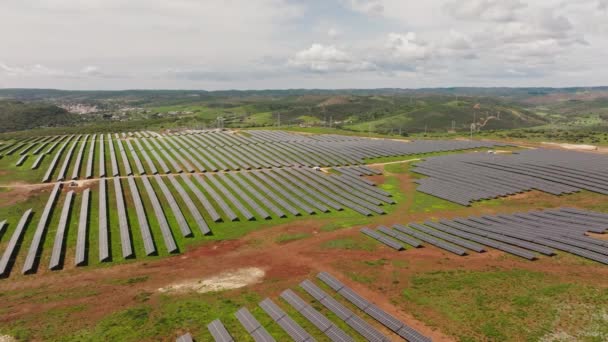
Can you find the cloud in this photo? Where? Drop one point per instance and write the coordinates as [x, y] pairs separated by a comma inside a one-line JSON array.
[[255, 43], [407, 47], [322, 58], [488, 10], [31, 70], [333, 33], [42, 71], [370, 7]]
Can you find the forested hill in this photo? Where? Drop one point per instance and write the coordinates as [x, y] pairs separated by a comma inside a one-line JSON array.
[[17, 116]]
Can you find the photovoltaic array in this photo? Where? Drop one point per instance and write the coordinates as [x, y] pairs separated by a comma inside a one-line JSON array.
[[464, 178], [223, 176], [357, 315], [525, 234]]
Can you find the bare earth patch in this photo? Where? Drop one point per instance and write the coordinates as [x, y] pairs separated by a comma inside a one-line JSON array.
[[7, 338], [223, 281]]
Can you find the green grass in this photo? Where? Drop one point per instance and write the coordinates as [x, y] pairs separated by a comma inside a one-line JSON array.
[[285, 238], [426, 203], [507, 305]]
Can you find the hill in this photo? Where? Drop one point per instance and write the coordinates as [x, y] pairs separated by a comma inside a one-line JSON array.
[[17, 116]]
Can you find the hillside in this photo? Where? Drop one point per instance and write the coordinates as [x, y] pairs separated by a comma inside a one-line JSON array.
[[379, 110], [443, 116], [17, 116]]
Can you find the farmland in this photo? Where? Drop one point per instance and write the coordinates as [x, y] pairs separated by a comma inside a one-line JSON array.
[[137, 229]]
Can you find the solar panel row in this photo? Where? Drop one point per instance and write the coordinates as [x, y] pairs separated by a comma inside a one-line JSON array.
[[371, 309], [90, 158], [79, 156], [160, 217], [219, 332], [142, 218], [293, 329], [81, 238], [60, 233], [354, 321], [9, 252], [32, 254], [315, 317], [470, 177], [123, 223], [253, 327], [521, 234]]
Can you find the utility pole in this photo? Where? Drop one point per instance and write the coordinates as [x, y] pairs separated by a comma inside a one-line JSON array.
[[453, 125], [331, 121], [279, 119]]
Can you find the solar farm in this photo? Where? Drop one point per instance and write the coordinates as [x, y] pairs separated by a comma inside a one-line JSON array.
[[270, 235]]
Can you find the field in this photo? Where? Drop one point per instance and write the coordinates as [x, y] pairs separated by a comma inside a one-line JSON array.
[[492, 296]]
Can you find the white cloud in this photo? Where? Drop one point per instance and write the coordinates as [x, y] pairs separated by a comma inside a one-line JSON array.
[[322, 58], [490, 10], [31, 70], [407, 47]]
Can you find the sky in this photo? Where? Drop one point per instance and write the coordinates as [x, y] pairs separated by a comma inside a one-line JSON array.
[[277, 44]]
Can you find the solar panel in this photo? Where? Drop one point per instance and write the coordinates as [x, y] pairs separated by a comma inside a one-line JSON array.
[[123, 224], [293, 329], [32, 254], [79, 156], [91, 155], [81, 239], [21, 160], [142, 218], [185, 338], [426, 238], [198, 218], [262, 199], [354, 321], [316, 318], [144, 153], [253, 327], [219, 332], [7, 256], [236, 202], [400, 236], [113, 162], [391, 243], [60, 233], [265, 188], [49, 172], [102, 157], [160, 217], [217, 198]]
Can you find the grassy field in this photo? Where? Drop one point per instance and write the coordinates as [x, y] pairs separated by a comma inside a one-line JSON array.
[[508, 305]]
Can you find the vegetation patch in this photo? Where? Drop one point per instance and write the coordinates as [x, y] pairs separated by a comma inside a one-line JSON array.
[[507, 305]]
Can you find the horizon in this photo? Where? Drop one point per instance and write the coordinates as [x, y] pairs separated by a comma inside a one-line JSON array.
[[306, 89]]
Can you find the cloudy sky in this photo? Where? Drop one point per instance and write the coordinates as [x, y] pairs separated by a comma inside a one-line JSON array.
[[260, 44]]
